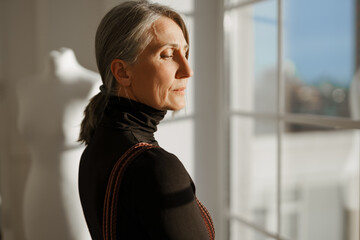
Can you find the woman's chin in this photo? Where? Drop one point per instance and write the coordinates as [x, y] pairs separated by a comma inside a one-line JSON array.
[[177, 106]]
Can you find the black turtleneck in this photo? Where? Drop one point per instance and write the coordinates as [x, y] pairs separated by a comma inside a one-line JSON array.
[[157, 196]]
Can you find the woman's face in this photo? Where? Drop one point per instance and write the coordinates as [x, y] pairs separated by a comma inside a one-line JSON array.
[[160, 74]]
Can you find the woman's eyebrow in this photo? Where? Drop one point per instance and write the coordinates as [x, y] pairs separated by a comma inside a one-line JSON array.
[[175, 45]]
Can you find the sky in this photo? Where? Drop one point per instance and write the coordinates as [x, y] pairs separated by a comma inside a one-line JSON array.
[[318, 38]]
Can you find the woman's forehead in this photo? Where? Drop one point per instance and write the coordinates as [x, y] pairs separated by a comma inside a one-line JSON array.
[[166, 31]]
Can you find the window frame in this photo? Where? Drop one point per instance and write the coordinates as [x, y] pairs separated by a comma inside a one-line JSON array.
[[281, 117]]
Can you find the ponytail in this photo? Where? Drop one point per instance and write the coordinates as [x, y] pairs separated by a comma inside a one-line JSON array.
[[93, 114]]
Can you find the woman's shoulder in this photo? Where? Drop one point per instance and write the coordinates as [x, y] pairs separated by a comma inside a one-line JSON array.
[[158, 159], [162, 167]]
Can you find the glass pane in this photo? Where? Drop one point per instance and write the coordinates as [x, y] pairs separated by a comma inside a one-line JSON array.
[[251, 56], [238, 231], [320, 185], [253, 171], [182, 6], [319, 52], [182, 145], [230, 2]]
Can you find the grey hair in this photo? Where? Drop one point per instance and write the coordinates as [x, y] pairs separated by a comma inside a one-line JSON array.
[[123, 34]]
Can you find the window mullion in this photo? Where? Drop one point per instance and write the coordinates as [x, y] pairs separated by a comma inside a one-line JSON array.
[[280, 111]]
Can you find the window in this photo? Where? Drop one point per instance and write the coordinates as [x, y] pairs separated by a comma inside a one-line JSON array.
[[293, 72]]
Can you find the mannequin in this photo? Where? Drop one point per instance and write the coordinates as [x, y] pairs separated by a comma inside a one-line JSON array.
[[50, 113]]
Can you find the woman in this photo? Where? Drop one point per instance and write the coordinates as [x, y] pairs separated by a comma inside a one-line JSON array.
[[141, 51]]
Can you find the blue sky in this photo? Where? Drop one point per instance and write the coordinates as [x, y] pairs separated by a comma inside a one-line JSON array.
[[318, 38]]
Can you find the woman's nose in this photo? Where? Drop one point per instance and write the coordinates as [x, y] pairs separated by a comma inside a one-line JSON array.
[[184, 70]]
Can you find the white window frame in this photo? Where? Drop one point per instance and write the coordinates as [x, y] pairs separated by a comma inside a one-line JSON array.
[[280, 116]]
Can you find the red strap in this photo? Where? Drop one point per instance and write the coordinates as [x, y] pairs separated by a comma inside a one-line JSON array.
[[113, 186], [207, 220]]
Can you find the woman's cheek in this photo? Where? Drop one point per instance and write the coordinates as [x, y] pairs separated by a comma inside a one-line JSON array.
[[160, 94]]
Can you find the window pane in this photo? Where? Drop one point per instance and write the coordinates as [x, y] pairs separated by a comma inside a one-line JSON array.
[[251, 56], [253, 171], [182, 6], [320, 185], [319, 51], [183, 144], [229, 2], [238, 231]]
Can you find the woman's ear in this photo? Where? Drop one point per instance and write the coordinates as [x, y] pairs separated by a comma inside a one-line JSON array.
[[119, 70]]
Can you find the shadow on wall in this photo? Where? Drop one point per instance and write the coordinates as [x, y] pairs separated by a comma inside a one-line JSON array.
[[50, 112]]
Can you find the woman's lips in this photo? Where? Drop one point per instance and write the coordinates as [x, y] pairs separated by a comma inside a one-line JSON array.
[[180, 91]]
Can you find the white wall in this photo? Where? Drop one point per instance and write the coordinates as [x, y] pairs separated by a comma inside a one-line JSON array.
[[29, 30]]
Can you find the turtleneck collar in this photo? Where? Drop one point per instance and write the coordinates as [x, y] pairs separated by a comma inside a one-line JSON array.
[[140, 119]]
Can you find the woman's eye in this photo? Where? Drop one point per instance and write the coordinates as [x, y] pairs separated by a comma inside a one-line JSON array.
[[166, 56]]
